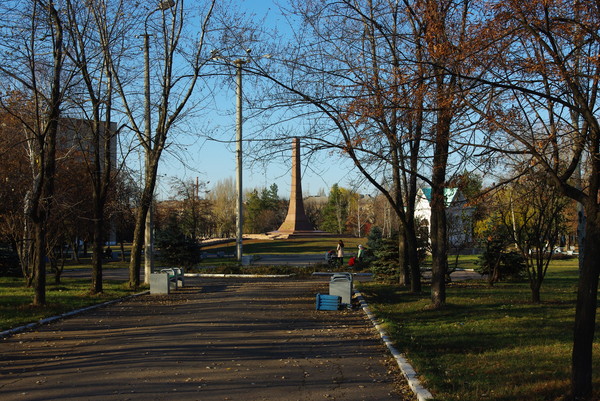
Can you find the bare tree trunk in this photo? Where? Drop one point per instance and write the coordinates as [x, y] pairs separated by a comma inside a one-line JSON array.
[[536, 286], [39, 264], [403, 270], [97, 250], [25, 248], [414, 264], [439, 250], [75, 247], [587, 303], [135, 260], [58, 270], [122, 250], [439, 237]]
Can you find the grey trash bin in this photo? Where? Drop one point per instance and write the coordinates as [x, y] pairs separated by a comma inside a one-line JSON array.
[[159, 283], [340, 284]]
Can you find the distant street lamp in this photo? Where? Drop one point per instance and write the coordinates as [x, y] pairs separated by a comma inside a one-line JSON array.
[[149, 229], [238, 63]]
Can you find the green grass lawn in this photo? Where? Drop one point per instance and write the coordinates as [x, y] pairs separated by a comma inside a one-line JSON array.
[[289, 246], [489, 343], [276, 247], [15, 299]]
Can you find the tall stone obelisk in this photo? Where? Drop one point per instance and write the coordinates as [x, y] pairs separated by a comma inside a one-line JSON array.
[[296, 221]]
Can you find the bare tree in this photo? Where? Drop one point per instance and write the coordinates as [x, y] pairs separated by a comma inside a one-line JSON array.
[[166, 97], [97, 29], [223, 198], [368, 79], [347, 78], [445, 29], [532, 210], [14, 163], [33, 58], [193, 217]]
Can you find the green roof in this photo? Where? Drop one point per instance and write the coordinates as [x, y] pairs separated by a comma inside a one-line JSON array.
[[449, 194]]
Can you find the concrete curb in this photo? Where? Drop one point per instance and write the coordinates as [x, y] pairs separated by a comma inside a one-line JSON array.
[[30, 326], [407, 370]]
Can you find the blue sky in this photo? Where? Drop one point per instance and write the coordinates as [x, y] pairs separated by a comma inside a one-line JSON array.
[[214, 161]]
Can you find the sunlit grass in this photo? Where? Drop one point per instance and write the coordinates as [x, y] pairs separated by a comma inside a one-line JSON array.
[[71, 294], [488, 343], [289, 246]]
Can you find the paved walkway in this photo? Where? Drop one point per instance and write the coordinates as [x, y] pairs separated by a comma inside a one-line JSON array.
[[215, 339]]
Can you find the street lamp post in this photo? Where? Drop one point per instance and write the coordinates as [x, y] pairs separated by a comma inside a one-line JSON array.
[[149, 228], [240, 217]]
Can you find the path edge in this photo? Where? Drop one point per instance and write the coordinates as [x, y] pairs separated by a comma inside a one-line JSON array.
[[16, 330], [405, 367]]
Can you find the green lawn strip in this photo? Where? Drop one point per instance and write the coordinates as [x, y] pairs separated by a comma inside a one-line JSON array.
[[465, 262], [289, 246], [72, 294], [489, 343]]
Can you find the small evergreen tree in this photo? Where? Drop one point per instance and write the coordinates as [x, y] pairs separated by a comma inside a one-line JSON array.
[[176, 249], [374, 238], [264, 210], [386, 256]]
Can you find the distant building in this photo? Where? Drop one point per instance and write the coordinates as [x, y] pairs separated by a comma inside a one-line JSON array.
[[318, 201], [75, 134], [458, 214], [75, 139]]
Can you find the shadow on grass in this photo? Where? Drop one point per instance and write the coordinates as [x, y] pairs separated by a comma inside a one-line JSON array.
[[487, 342]]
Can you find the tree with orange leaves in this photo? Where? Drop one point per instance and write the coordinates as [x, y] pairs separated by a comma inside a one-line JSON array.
[[541, 66]]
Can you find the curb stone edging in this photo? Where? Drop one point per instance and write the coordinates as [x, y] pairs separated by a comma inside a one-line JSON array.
[[407, 370], [10, 332]]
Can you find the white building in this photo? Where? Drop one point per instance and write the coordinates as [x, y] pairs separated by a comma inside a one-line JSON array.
[[458, 215]]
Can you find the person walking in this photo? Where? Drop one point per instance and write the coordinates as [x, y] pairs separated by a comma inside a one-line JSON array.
[[340, 252]]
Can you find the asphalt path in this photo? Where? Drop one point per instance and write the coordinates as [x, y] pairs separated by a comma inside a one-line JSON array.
[[215, 339]]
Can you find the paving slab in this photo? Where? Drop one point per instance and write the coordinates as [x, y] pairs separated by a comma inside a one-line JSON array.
[[215, 339]]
